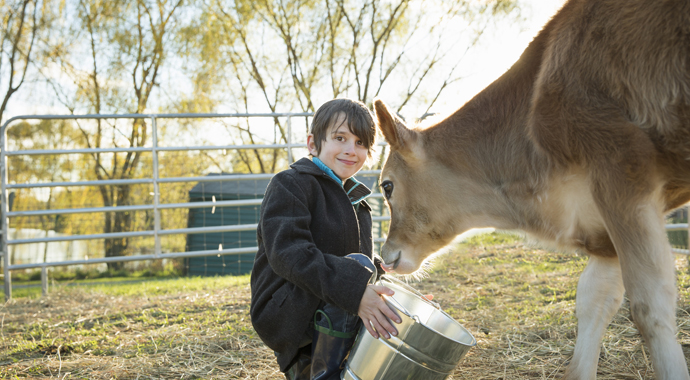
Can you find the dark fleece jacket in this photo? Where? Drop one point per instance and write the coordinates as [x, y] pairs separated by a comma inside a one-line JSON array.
[[307, 224]]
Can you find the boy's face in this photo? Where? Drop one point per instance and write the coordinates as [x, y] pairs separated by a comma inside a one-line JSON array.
[[342, 151]]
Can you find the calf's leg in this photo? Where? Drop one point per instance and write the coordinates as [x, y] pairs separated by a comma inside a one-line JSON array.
[[599, 295], [634, 221]]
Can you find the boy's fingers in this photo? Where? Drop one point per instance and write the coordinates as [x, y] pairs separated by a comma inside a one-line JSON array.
[[386, 325], [390, 313], [371, 330], [380, 329], [429, 296], [380, 289]]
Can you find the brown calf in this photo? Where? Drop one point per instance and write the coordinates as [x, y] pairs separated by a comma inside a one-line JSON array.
[[584, 142]]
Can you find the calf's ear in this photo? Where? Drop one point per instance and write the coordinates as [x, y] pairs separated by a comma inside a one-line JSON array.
[[398, 136]]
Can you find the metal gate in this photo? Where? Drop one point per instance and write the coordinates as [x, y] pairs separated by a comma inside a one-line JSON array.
[[155, 180]]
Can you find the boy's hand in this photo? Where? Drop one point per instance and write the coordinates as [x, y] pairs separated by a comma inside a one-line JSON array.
[[373, 310]]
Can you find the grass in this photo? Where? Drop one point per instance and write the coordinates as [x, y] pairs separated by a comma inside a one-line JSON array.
[[182, 328], [518, 301], [155, 269], [28, 283], [135, 286]]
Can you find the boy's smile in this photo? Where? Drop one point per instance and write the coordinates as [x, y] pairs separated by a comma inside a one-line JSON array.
[[342, 151]]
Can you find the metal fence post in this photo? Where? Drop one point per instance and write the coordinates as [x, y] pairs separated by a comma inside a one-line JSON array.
[[289, 139], [44, 280], [156, 192], [5, 219]]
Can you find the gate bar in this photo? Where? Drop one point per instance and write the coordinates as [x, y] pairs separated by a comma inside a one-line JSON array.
[[156, 192]]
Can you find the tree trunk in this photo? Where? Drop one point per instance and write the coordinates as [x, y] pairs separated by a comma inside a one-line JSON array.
[[118, 222]]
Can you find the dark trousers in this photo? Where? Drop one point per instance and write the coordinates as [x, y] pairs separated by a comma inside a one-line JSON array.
[[341, 321]]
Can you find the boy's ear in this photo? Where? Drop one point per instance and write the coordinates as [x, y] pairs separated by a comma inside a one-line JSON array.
[[311, 145], [394, 130]]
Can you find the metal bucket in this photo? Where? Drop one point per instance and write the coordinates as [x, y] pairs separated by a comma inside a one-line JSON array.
[[429, 344]]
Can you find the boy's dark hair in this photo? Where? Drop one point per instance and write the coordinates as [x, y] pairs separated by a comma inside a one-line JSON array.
[[359, 119]]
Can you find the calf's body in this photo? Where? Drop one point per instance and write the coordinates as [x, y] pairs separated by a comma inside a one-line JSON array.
[[584, 142]]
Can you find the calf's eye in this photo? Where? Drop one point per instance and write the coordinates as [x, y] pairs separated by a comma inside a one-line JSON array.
[[387, 187]]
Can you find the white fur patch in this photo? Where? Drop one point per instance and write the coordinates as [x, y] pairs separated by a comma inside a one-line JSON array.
[[572, 210]]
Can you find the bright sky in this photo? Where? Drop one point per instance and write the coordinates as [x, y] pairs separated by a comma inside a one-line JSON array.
[[492, 57], [497, 53]]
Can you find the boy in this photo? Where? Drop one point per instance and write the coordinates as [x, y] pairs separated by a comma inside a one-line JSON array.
[[308, 298]]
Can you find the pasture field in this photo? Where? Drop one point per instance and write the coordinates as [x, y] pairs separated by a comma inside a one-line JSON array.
[[517, 300]]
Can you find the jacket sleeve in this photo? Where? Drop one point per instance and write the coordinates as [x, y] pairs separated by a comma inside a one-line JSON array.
[[378, 261], [293, 255]]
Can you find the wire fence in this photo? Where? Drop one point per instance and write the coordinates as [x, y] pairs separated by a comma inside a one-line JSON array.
[[677, 230]]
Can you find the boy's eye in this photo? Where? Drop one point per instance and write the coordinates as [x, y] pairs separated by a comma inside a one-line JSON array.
[[339, 138], [360, 142]]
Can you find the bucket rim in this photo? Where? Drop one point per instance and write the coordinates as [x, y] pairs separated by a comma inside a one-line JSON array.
[[402, 354], [415, 318]]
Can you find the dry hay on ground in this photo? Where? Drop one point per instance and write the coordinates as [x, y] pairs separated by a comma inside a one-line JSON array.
[[520, 305], [78, 334], [517, 301]]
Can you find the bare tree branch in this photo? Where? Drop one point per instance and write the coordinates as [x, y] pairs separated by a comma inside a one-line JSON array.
[[16, 53]]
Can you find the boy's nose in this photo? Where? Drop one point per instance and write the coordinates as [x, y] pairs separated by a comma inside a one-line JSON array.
[[350, 148]]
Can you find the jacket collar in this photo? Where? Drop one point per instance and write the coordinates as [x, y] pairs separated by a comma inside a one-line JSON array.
[[326, 169], [355, 190]]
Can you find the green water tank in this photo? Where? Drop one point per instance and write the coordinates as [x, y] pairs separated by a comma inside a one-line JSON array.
[[223, 216]]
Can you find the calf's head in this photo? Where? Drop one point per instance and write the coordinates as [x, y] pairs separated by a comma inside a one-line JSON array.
[[418, 191]]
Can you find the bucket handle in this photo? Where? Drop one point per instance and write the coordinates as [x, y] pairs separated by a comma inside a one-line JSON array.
[[400, 307], [411, 289]]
